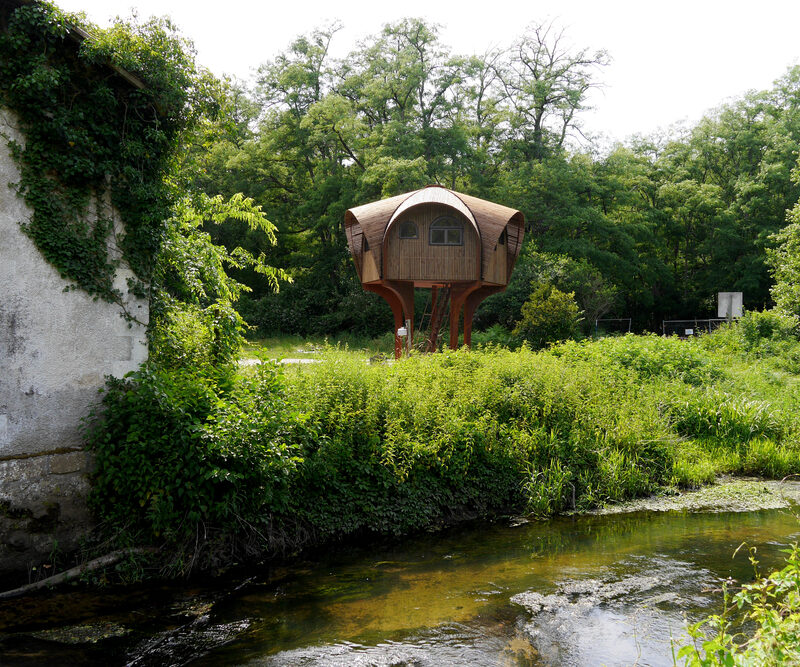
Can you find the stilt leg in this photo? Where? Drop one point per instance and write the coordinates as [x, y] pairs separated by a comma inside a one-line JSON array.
[[397, 310], [456, 301], [473, 301]]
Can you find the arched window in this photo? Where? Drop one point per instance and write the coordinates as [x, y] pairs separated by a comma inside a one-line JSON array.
[[408, 230], [446, 231]]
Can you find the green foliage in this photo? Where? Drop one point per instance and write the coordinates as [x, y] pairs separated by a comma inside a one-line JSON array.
[[93, 139], [173, 451], [593, 293], [757, 328], [650, 357], [771, 603], [496, 334], [547, 489], [784, 260], [549, 315], [770, 335], [710, 412], [731, 418], [269, 461], [193, 320]]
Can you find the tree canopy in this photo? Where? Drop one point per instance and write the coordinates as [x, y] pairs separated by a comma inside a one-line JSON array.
[[659, 224], [649, 229]]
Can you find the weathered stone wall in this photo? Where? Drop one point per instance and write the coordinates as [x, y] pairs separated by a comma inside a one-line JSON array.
[[56, 347]]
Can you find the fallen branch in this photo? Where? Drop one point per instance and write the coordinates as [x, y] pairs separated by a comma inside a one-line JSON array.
[[75, 572]]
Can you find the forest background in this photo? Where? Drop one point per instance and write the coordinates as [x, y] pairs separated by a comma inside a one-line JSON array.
[[651, 229]]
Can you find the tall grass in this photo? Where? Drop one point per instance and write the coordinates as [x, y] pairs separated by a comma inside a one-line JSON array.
[[345, 446]]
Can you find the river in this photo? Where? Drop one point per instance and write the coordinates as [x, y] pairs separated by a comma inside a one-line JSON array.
[[584, 590]]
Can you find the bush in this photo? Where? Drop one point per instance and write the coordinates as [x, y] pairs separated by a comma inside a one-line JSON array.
[[172, 452], [549, 315], [273, 460], [772, 604]]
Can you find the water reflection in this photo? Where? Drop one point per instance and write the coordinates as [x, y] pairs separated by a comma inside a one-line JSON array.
[[571, 591]]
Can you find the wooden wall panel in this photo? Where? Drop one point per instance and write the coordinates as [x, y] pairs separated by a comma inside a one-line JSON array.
[[496, 269], [370, 268], [416, 259]]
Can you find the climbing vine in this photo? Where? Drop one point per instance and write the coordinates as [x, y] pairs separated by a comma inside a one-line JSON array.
[[102, 119]]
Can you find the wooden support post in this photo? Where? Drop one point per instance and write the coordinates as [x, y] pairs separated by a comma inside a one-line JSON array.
[[405, 294], [455, 312], [473, 301], [468, 325], [457, 297], [396, 305], [435, 323]]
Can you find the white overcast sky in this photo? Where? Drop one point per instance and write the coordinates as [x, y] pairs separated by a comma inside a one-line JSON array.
[[672, 60]]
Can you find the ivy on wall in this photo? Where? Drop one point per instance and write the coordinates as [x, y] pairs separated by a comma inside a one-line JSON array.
[[94, 137]]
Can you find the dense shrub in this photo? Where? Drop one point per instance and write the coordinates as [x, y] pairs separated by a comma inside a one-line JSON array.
[[549, 315], [277, 459], [649, 356], [173, 451]]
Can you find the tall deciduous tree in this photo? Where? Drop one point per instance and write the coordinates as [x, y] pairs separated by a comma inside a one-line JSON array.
[[784, 260], [546, 84]]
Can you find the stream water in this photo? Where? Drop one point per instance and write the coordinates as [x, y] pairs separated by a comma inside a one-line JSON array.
[[588, 590]]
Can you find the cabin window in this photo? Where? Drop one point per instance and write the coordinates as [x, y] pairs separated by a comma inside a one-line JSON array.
[[447, 231], [408, 230]]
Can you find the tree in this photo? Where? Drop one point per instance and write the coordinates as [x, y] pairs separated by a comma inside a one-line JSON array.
[[784, 262], [546, 84], [193, 319]]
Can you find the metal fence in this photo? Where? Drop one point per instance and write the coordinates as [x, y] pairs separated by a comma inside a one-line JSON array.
[[686, 328]]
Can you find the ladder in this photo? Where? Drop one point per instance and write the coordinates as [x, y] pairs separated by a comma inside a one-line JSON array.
[[428, 331]]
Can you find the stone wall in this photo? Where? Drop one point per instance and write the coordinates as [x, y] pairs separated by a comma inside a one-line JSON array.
[[56, 347]]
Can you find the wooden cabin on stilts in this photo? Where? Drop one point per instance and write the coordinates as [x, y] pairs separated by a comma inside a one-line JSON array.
[[462, 248]]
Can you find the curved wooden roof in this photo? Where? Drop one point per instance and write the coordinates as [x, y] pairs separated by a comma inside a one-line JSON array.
[[373, 220], [432, 195]]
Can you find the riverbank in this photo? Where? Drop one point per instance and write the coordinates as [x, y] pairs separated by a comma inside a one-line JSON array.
[[264, 461], [726, 494]]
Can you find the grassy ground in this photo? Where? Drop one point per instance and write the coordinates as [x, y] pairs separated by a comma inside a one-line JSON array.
[[297, 347], [727, 402]]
